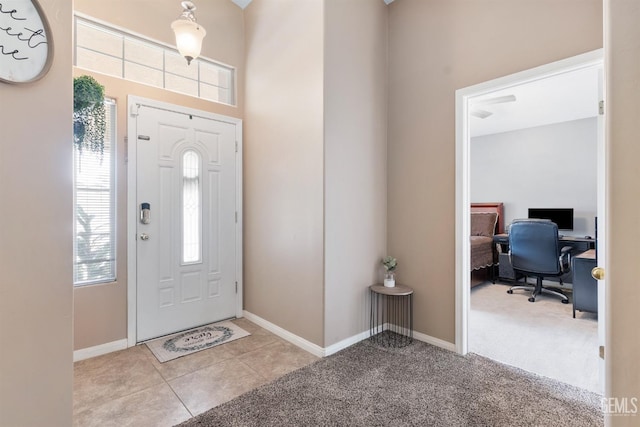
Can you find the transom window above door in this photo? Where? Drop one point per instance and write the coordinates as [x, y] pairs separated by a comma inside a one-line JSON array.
[[116, 52]]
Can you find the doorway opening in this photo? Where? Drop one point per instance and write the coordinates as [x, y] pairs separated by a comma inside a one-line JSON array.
[[483, 100]]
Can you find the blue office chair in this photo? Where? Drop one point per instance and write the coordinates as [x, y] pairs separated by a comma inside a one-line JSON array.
[[534, 250]]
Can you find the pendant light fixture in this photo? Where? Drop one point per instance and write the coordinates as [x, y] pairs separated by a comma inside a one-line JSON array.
[[189, 33]]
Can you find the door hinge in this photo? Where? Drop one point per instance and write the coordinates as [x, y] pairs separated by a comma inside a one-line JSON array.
[[126, 150], [134, 110], [601, 107], [236, 287], [236, 146], [601, 351], [144, 137], [236, 217]]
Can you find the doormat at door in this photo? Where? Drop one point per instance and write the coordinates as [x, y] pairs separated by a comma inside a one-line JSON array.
[[177, 345]]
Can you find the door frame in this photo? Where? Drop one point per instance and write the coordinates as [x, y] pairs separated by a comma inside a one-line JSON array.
[[463, 98], [132, 212]]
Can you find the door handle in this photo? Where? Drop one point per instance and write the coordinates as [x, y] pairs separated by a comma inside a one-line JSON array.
[[144, 236], [597, 273]]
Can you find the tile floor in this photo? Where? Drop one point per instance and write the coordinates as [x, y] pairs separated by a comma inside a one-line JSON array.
[[131, 388]]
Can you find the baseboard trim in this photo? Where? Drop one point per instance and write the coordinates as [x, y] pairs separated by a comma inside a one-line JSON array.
[[434, 341], [312, 348], [347, 342], [318, 351], [99, 350]]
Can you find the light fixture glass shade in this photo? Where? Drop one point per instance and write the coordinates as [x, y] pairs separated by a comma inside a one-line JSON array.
[[189, 37]]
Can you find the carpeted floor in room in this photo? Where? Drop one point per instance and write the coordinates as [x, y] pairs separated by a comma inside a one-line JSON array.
[[419, 385], [541, 337]]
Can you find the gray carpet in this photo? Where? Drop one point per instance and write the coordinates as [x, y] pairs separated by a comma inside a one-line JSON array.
[[419, 385]]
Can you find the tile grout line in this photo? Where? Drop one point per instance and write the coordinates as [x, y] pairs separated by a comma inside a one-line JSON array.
[[179, 399], [249, 374], [163, 377], [253, 370], [169, 385], [231, 357], [126, 394]]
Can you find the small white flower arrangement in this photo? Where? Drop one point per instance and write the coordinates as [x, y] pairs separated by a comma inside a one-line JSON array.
[[390, 264]]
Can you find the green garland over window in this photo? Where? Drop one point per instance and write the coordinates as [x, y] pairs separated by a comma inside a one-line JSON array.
[[89, 121]]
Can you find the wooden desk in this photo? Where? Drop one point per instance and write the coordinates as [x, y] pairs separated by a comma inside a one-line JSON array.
[[585, 287], [391, 322], [503, 239], [505, 272], [590, 254]]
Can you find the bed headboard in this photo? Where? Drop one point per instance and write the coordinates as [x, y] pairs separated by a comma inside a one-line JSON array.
[[491, 207]]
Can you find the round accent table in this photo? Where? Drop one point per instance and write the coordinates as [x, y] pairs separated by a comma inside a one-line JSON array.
[[391, 322]]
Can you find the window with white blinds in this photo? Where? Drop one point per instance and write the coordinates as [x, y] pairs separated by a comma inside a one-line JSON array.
[[94, 246]]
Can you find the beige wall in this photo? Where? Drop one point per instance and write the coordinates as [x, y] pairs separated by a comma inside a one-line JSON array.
[[436, 47], [36, 140], [355, 152], [283, 165], [622, 50], [101, 310]]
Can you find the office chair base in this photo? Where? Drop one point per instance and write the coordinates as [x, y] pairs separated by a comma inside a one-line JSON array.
[[555, 292], [537, 290], [519, 287]]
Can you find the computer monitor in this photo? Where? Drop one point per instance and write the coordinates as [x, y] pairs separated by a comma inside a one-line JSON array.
[[563, 217]]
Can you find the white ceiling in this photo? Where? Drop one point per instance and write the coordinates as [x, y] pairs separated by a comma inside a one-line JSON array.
[[242, 3], [245, 3], [565, 97]]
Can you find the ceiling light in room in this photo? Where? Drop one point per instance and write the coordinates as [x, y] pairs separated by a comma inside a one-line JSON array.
[[483, 114], [189, 33]]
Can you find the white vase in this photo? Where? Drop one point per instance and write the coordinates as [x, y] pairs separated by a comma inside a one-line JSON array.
[[389, 279]]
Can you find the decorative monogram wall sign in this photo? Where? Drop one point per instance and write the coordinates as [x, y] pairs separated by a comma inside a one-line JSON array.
[[26, 44]]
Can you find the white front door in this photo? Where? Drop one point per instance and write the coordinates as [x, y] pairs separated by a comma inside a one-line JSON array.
[[186, 240]]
